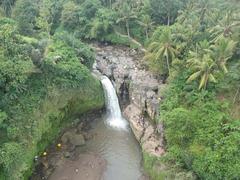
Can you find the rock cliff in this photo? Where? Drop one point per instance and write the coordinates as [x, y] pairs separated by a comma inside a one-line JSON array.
[[138, 89]]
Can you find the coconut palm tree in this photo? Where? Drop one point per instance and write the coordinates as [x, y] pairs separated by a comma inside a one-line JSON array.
[[186, 14], [147, 24], [204, 70], [162, 49], [225, 27], [222, 51], [126, 15], [209, 59], [201, 49]]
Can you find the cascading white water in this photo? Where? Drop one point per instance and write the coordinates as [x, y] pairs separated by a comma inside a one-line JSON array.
[[114, 118]]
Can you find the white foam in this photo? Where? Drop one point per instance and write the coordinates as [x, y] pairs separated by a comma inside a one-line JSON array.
[[115, 118]]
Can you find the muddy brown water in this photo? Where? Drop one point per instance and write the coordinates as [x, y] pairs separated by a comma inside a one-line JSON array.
[[119, 148]]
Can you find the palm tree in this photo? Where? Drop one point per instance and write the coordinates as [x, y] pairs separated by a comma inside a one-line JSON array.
[[186, 14], [147, 24], [162, 49], [207, 60], [225, 27], [126, 15], [204, 69], [222, 51]]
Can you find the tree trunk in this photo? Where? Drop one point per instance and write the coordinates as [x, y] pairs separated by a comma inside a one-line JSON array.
[[168, 65], [127, 27], [236, 95], [110, 4], [168, 19], [168, 8], [146, 34]]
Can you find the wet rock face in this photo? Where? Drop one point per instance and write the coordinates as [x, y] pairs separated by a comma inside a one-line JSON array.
[[144, 131], [137, 86], [125, 70]]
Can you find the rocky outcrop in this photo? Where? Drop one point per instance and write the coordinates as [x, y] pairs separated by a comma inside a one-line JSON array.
[[138, 88], [73, 138], [144, 131]]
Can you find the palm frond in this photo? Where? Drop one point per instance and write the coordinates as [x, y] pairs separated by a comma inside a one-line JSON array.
[[193, 76]]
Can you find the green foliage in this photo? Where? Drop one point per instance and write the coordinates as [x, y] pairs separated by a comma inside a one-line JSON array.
[[62, 89], [161, 52], [15, 63], [200, 133], [83, 52], [159, 169], [89, 8], [102, 25], [126, 15], [3, 116], [25, 13], [55, 8], [147, 24], [9, 156], [117, 39], [37, 102], [45, 19], [7, 6], [70, 15], [165, 11], [208, 61], [199, 46]]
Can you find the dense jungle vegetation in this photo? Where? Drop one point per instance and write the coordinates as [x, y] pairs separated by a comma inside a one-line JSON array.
[[193, 45]]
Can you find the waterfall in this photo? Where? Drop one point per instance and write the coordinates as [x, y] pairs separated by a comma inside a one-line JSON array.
[[114, 114]]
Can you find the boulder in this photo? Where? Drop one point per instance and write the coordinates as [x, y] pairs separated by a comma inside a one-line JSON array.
[[80, 127], [67, 154], [65, 137], [77, 139], [73, 138]]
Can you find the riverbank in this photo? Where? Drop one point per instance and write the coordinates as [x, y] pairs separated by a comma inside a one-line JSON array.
[[103, 145], [68, 159]]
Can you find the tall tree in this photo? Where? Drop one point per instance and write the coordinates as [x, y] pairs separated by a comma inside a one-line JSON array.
[[204, 69], [222, 51], [165, 11], [26, 13], [162, 49], [207, 60], [147, 24], [225, 27], [70, 15], [126, 15], [45, 19]]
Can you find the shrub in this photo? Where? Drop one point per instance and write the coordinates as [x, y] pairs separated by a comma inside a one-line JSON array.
[[25, 13], [200, 133]]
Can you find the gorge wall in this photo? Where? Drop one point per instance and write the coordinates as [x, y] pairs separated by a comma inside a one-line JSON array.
[[138, 89]]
